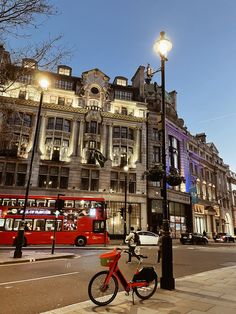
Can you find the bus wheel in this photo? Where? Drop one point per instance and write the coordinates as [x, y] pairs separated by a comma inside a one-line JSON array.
[[80, 241]]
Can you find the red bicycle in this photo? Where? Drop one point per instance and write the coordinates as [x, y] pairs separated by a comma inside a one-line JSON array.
[[103, 287]]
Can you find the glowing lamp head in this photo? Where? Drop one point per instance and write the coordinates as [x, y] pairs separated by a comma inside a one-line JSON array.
[[163, 45], [44, 83]]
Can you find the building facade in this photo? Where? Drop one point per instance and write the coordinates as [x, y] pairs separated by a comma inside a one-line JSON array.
[[211, 188]]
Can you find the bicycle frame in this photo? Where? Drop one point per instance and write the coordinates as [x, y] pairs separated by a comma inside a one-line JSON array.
[[127, 285]]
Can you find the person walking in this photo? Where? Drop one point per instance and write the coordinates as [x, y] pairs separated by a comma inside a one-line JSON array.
[[159, 252], [130, 239]]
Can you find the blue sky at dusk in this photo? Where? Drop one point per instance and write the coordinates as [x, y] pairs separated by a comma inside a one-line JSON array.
[[118, 36]]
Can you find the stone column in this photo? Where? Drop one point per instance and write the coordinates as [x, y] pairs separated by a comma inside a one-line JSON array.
[[41, 137], [73, 136], [110, 143], [137, 145], [81, 138]]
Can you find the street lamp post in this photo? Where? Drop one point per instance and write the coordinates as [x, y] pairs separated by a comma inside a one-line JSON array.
[[58, 207], [20, 236], [126, 168], [163, 46]]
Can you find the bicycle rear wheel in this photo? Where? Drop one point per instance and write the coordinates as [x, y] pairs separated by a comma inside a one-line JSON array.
[[98, 292], [145, 293]]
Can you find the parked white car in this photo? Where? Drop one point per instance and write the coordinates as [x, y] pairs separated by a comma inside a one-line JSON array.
[[148, 237]]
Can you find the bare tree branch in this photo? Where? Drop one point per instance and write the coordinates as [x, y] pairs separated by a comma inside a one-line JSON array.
[[16, 14]]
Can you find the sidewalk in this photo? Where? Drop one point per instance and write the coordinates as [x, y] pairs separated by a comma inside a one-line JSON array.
[[212, 292], [31, 256]]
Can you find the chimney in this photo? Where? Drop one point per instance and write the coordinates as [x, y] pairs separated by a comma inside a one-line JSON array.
[[201, 137], [173, 95], [138, 80]]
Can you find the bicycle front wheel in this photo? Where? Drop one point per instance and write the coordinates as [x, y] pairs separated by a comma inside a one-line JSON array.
[[145, 293], [98, 292]]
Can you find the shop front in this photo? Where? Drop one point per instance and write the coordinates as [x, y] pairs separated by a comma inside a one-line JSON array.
[[115, 218], [180, 213]]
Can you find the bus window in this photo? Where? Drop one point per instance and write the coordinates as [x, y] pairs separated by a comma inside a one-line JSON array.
[[16, 224], [31, 203], [51, 203], [49, 225], [9, 202], [9, 224], [41, 203], [38, 224], [98, 226], [2, 223], [59, 225], [70, 222], [28, 224], [80, 204], [69, 203], [21, 202]]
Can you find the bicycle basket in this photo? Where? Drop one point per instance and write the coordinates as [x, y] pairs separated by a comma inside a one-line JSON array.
[[145, 274], [107, 259]]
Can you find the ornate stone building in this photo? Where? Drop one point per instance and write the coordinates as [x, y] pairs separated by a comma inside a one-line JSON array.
[[211, 188], [84, 121]]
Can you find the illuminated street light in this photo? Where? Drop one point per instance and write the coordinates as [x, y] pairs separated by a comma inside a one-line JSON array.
[[20, 236], [162, 46]]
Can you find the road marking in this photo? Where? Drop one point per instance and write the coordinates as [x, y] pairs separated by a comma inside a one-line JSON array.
[[39, 278]]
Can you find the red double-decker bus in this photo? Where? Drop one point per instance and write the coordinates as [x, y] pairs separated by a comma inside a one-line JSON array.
[[80, 221]]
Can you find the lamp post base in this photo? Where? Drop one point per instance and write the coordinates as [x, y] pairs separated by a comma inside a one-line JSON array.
[[17, 254], [167, 280]]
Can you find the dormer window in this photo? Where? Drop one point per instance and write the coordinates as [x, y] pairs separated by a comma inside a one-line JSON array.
[[122, 81], [64, 70], [29, 63]]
